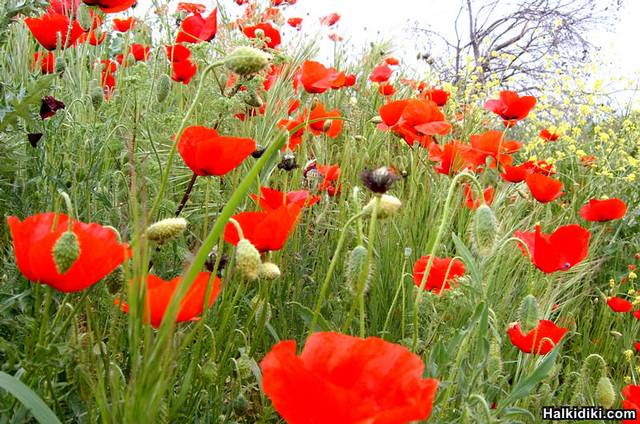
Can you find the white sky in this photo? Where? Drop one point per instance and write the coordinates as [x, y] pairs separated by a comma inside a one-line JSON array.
[[374, 20]]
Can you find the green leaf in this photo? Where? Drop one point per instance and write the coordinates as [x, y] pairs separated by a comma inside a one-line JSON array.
[[468, 259], [306, 314], [28, 398]]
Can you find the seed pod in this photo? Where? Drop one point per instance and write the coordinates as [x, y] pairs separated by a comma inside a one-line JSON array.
[[248, 259], [269, 271], [354, 268], [605, 393], [389, 206], [97, 95], [485, 230], [166, 229], [66, 251], [246, 60], [164, 86], [529, 313]]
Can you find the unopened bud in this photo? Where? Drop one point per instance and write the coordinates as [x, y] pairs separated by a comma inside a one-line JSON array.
[[605, 393], [97, 94], [166, 229], [529, 313], [387, 207], [355, 267], [246, 60], [248, 259], [376, 120], [164, 86], [66, 251], [269, 271], [485, 230]]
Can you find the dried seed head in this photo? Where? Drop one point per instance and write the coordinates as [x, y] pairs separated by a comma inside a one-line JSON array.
[[248, 259], [246, 60], [66, 251], [379, 180], [269, 271], [529, 313], [257, 154], [389, 206], [165, 230], [210, 263]]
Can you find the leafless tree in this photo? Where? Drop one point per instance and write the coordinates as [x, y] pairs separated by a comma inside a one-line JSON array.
[[508, 38]]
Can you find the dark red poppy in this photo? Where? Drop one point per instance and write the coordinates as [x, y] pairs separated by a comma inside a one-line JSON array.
[[51, 26], [567, 246], [330, 19], [381, 73], [111, 6], [631, 401], [344, 379], [183, 71], [295, 23], [266, 230], [271, 34], [511, 107], [159, 293], [196, 29], [437, 95], [453, 157], [548, 135], [34, 138], [49, 106], [443, 273], [34, 240], [208, 153], [191, 7], [124, 25], [603, 210], [272, 199], [491, 144], [540, 340], [472, 202], [45, 61], [331, 128], [315, 77], [618, 304], [415, 120], [544, 189]]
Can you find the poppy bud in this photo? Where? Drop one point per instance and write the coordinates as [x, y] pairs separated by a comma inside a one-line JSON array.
[[485, 230], [269, 271], [166, 229], [248, 259], [97, 95], [355, 266], [605, 393], [376, 120], [262, 310], [240, 405], [164, 86], [244, 365], [115, 280], [66, 251], [246, 60], [84, 17], [210, 371], [529, 313], [252, 99], [389, 206], [592, 369]]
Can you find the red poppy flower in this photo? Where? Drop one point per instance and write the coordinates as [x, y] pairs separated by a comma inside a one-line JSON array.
[[511, 107], [295, 137], [437, 95], [331, 127], [92, 38], [158, 295], [330, 19], [344, 379], [540, 340], [177, 53], [603, 210], [414, 120], [548, 135], [34, 240], [273, 73], [124, 25], [617, 304], [544, 189], [271, 199], [295, 23], [517, 174], [331, 174], [51, 26], [349, 80], [381, 73], [491, 144], [196, 29], [266, 230], [111, 6], [637, 346], [631, 402], [567, 246], [386, 89], [443, 273], [108, 79], [191, 7], [63, 7], [208, 153], [453, 157], [587, 161], [392, 61], [45, 61], [271, 35], [473, 203], [316, 78], [183, 71]]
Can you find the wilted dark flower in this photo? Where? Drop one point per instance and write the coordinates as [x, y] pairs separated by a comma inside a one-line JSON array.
[[211, 262], [379, 180], [257, 154], [34, 138], [288, 162], [50, 106]]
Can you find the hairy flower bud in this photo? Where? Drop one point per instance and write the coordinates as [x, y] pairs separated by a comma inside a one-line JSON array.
[[389, 206], [246, 60], [529, 313], [97, 95], [485, 230], [605, 393], [166, 229], [355, 267], [164, 86], [269, 271], [248, 259], [66, 251]]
